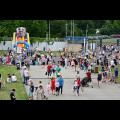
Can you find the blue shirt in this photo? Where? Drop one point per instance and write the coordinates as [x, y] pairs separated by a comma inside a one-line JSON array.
[[60, 82]]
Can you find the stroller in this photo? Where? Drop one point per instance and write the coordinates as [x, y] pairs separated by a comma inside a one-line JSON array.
[[18, 66]]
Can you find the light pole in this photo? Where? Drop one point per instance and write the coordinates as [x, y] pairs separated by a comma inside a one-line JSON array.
[[86, 30], [66, 29], [46, 42], [71, 28], [73, 37]]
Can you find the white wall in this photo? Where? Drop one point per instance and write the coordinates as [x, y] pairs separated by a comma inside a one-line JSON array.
[[54, 47], [7, 44]]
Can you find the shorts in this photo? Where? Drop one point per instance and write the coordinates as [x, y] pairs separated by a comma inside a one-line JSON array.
[[54, 71], [57, 89], [31, 93], [99, 79], [43, 63], [89, 80], [75, 87], [116, 77]]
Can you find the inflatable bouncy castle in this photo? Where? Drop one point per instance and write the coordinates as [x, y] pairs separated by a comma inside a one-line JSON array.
[[21, 38]]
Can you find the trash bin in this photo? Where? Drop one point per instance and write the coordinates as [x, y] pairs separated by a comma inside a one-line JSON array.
[[18, 66], [96, 69]]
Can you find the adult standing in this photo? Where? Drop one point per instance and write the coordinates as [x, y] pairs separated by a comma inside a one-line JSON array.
[[49, 67], [0, 80], [99, 78], [58, 71], [12, 95], [40, 93], [116, 74], [61, 83], [54, 67], [89, 78], [27, 75]]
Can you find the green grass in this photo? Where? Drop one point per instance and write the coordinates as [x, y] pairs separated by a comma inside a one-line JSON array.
[[44, 52], [2, 51], [20, 93], [99, 70]]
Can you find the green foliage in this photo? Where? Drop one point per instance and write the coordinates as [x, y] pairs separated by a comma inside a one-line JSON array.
[[107, 29], [39, 28]]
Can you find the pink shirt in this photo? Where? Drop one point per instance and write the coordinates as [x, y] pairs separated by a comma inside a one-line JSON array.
[[72, 63]]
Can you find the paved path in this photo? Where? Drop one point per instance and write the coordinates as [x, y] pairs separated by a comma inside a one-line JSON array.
[[105, 92]]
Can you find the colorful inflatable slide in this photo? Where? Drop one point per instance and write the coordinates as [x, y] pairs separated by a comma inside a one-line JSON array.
[[21, 38]]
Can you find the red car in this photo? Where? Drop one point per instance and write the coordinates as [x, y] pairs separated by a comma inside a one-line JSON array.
[[118, 36]]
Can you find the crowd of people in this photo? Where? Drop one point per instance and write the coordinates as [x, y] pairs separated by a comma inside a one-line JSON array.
[[107, 59]]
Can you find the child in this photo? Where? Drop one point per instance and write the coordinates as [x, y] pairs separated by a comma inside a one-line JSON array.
[[112, 78], [72, 64], [3, 84], [77, 75], [57, 87], [48, 87], [75, 87]]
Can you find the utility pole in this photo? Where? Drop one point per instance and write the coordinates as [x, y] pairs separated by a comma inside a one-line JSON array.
[[49, 30], [71, 28], [66, 29], [73, 37], [46, 42]]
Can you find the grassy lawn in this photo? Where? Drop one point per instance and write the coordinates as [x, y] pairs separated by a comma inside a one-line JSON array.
[[99, 70], [20, 93], [2, 51], [44, 52]]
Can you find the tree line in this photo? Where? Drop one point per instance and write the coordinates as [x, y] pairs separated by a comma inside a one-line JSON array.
[[39, 28]]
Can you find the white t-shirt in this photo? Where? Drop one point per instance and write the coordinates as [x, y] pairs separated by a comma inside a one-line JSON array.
[[48, 86], [75, 83], [56, 84], [77, 75], [112, 62], [14, 78], [26, 73]]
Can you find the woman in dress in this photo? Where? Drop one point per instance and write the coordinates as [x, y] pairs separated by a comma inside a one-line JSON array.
[[53, 85], [40, 93]]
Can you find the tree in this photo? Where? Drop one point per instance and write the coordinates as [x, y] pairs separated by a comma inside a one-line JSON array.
[[107, 29], [116, 25]]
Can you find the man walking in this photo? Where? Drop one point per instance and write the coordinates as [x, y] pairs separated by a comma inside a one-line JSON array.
[[12, 96], [61, 83]]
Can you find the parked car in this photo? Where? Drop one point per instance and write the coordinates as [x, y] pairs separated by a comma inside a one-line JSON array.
[[118, 36], [113, 36]]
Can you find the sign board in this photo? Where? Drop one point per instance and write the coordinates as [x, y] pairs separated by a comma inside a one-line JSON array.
[[19, 50], [118, 42], [77, 38]]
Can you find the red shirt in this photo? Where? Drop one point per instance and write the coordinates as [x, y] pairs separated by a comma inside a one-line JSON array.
[[78, 82], [48, 67], [88, 75]]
